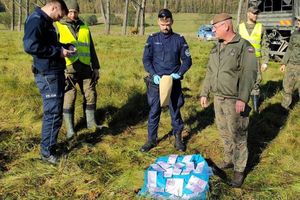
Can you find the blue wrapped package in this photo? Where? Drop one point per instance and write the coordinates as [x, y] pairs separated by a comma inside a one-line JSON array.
[[177, 177]]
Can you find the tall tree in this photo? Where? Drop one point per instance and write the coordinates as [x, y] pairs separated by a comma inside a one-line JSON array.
[[165, 3], [107, 27], [137, 14], [20, 15], [105, 16], [27, 8], [177, 4], [125, 18], [142, 22], [239, 13], [103, 12], [12, 22]]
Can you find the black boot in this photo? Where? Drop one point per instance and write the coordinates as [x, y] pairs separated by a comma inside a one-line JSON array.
[[255, 101], [178, 142], [238, 179], [148, 146]]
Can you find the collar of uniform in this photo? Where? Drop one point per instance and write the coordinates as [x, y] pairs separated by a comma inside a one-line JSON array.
[[39, 10], [235, 39], [67, 21], [166, 35]]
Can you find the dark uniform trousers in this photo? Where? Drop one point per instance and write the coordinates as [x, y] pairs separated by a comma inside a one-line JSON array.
[[51, 88], [80, 74], [176, 102], [233, 128]]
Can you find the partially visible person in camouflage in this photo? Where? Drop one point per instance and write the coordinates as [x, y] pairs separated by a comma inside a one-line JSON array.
[[255, 33], [82, 68], [291, 67], [230, 76]]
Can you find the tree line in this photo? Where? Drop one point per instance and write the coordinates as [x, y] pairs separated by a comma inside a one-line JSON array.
[[18, 10]]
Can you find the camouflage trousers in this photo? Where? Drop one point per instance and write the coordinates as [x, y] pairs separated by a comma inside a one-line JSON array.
[[80, 74], [291, 82], [256, 87], [233, 128]]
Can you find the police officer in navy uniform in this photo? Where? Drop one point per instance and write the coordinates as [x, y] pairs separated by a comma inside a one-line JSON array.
[[165, 53], [40, 41]]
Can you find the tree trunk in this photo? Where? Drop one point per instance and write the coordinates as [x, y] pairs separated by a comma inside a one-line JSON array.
[[142, 22], [27, 8], [137, 15], [12, 22], [20, 15], [165, 3], [239, 12], [103, 12], [125, 18], [107, 24], [177, 2]]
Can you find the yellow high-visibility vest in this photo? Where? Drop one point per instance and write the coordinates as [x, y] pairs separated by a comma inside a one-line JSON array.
[[254, 38], [82, 44]]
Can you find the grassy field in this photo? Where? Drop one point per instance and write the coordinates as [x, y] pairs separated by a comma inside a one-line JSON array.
[[107, 164]]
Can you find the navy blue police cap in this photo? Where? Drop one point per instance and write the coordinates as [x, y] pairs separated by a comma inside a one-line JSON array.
[[165, 13]]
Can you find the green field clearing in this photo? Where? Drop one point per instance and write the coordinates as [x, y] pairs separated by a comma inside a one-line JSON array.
[[107, 164]]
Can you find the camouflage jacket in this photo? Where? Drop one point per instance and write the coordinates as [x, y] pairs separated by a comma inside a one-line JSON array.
[[231, 70], [292, 54]]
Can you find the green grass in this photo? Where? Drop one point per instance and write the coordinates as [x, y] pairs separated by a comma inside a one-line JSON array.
[[107, 164]]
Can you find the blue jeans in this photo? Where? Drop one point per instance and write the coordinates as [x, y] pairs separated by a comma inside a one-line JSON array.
[[52, 90], [176, 102]]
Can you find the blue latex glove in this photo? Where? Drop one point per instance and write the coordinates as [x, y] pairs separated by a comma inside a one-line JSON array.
[[156, 79], [175, 76]]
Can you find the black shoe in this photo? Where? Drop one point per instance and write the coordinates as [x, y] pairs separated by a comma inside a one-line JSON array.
[[179, 145], [146, 147], [52, 159], [226, 165], [238, 178]]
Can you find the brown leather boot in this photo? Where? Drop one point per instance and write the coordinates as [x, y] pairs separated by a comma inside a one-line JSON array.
[[238, 178]]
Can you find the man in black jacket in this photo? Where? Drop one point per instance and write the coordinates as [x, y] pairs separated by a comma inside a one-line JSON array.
[[40, 41]]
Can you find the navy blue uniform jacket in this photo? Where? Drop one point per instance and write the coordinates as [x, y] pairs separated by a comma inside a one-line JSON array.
[[166, 54], [40, 40]]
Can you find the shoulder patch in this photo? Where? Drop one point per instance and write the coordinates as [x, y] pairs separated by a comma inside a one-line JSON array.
[[187, 52], [153, 34]]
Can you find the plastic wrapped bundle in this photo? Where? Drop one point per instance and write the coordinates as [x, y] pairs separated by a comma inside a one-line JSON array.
[[177, 177]]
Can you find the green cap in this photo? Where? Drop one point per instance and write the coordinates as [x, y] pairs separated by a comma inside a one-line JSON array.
[[72, 4]]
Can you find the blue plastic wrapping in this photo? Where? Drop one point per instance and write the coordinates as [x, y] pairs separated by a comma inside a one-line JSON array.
[[177, 177]]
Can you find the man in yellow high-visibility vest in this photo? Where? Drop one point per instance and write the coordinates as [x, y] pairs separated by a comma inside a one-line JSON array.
[[82, 68], [255, 33]]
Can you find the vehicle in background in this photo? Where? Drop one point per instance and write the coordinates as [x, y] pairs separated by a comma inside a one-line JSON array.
[[278, 18], [205, 33]]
